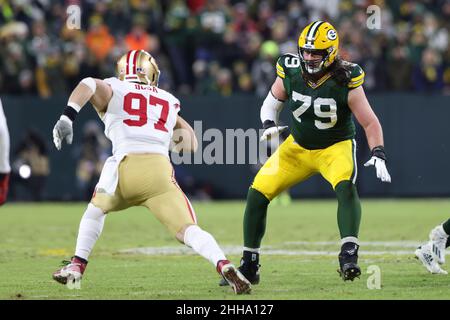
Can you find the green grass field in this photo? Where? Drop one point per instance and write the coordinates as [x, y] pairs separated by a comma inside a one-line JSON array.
[[299, 254]]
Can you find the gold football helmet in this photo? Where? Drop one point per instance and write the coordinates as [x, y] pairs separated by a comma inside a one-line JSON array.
[[138, 66], [319, 38]]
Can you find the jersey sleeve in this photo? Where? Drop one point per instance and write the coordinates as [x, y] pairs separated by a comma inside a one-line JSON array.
[[114, 83], [174, 102], [177, 105], [356, 77], [110, 80]]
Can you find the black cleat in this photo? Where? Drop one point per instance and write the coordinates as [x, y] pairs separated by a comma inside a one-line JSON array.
[[348, 262]]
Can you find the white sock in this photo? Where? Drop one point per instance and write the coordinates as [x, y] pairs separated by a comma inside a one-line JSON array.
[[91, 227], [349, 239], [204, 244], [4, 143]]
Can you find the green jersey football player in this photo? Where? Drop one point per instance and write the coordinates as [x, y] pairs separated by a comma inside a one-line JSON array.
[[322, 92]]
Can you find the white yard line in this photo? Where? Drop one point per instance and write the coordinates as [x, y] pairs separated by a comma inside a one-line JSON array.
[[395, 244], [280, 250]]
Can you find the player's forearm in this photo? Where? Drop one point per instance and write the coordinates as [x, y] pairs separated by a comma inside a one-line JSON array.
[[270, 108], [184, 137], [82, 93], [191, 143], [80, 96], [374, 134], [184, 140]]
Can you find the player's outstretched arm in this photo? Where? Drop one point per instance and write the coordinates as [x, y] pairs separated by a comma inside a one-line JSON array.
[[357, 101], [96, 91], [184, 138], [270, 109]]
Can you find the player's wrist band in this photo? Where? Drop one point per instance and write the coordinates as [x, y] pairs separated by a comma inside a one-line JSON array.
[[71, 111], [379, 152], [268, 124]]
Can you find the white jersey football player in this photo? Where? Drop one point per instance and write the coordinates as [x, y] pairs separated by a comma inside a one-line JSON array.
[[5, 167], [140, 120]]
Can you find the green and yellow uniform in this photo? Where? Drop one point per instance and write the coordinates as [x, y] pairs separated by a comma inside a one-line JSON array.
[[321, 142], [320, 112], [322, 131]]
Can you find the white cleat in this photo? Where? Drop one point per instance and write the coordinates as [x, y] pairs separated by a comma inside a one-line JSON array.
[[438, 239], [424, 254], [71, 273], [234, 277]]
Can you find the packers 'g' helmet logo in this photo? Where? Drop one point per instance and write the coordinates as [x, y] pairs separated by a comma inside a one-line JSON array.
[[319, 38], [331, 34], [138, 66]]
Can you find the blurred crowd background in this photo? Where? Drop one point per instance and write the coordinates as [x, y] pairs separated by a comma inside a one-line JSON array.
[[218, 46], [203, 47]]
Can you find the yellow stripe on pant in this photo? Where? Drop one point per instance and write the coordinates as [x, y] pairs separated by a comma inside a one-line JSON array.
[[292, 164]]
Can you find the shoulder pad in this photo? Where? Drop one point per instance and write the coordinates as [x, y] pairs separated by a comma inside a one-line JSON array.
[[287, 61], [356, 75]]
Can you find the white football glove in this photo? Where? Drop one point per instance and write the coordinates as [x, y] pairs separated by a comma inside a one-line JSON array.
[[62, 130], [271, 130], [378, 159]]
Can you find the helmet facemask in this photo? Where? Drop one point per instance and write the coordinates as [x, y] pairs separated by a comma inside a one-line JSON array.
[[316, 65], [150, 72]]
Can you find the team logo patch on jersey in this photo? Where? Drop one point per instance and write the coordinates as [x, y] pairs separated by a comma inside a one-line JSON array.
[[331, 34]]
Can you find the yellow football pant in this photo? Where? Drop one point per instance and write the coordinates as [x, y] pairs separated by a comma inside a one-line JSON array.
[[148, 180], [292, 164]]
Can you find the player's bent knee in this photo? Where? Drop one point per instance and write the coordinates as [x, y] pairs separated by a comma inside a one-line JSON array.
[[102, 205], [345, 189], [344, 180], [109, 203], [269, 194]]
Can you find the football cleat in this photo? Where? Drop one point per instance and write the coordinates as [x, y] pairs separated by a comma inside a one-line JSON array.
[[234, 277], [348, 262], [249, 270], [429, 261], [438, 239], [71, 272]]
